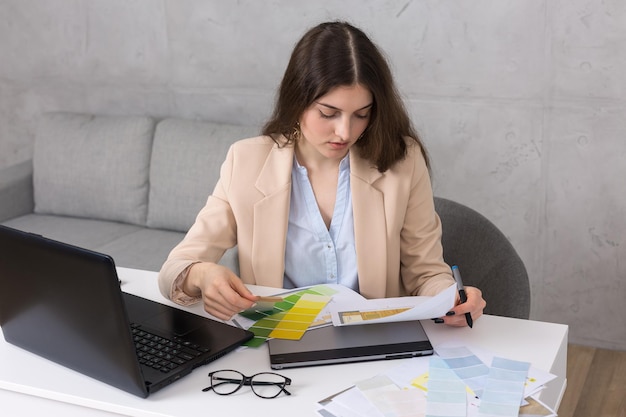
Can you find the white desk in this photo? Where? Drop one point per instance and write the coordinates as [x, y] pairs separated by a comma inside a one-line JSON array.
[[31, 386]]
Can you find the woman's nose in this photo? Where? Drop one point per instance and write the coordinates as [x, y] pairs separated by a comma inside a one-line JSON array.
[[343, 128]]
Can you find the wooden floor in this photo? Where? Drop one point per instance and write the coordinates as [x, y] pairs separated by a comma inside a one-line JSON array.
[[596, 383]]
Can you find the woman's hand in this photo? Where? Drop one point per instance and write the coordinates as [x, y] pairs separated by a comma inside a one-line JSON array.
[[223, 292], [474, 305]]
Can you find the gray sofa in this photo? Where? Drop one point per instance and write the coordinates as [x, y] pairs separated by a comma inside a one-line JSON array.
[[127, 186]]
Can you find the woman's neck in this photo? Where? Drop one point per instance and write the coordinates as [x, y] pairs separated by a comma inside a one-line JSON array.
[[315, 161]]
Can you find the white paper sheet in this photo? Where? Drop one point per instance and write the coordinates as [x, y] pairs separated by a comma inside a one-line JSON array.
[[383, 310]]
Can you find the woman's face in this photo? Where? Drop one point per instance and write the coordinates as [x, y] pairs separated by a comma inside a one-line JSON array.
[[334, 122]]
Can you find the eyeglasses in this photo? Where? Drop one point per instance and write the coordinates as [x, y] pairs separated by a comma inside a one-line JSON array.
[[264, 384]]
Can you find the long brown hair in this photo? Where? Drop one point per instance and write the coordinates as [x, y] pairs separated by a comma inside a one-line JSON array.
[[335, 54]]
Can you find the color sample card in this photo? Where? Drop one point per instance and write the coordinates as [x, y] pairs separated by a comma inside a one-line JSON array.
[[467, 366], [390, 400], [504, 390], [293, 323], [436, 388], [289, 318], [421, 382], [348, 317], [446, 391]]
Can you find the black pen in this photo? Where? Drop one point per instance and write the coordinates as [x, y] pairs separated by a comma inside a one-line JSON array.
[[462, 295]]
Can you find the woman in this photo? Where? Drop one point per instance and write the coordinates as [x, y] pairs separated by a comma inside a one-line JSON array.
[[337, 190]]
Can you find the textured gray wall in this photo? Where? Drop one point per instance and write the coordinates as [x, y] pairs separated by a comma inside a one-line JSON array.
[[520, 102]]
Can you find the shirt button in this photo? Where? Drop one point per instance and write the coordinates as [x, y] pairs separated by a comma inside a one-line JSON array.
[[330, 246], [332, 276]]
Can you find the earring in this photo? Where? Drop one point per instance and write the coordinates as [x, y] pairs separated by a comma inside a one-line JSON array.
[[295, 133]]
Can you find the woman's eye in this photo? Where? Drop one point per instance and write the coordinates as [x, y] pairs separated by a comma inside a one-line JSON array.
[[327, 116], [363, 116]]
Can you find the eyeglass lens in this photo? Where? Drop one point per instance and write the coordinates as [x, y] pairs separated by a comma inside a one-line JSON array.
[[265, 384]]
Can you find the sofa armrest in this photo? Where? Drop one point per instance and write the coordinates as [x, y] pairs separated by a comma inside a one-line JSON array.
[[16, 190]]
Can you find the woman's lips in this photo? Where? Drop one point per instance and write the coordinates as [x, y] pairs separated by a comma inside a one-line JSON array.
[[338, 145]]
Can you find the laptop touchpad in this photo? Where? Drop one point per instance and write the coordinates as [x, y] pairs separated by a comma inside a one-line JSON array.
[[171, 321], [174, 322]]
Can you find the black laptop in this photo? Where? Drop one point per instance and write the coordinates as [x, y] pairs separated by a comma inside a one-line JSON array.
[[65, 303]]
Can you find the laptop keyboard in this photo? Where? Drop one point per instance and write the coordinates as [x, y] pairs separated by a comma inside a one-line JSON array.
[[163, 354]]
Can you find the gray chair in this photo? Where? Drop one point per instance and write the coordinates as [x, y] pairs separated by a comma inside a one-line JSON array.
[[486, 259]]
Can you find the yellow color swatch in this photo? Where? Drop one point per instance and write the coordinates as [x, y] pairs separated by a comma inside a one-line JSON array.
[[421, 382], [298, 319]]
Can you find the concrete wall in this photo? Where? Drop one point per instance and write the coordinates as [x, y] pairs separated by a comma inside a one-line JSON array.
[[520, 102]]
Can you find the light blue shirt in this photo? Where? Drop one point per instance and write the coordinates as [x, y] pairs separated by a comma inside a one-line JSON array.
[[314, 254]]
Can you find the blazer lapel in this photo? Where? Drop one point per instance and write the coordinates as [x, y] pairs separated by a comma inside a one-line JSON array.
[[271, 218], [370, 231]]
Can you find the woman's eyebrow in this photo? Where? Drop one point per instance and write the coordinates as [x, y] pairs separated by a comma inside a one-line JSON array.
[[337, 108]]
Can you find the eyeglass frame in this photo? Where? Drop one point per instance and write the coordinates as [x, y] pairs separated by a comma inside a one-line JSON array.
[[247, 381]]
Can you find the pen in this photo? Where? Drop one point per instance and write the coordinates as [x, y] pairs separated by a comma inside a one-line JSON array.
[[462, 295]]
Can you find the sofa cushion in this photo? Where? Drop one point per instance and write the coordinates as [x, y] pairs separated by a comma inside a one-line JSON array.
[[130, 246], [85, 233], [93, 166], [16, 190], [186, 160], [145, 248]]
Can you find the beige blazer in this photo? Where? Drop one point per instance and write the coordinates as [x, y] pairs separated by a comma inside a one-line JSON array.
[[397, 232]]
